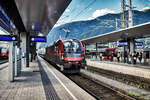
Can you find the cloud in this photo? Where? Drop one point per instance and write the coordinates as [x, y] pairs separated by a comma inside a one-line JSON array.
[[102, 12], [57, 24], [67, 10], [90, 18], [145, 8]]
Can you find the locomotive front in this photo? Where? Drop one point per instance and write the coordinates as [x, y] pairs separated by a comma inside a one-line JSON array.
[[73, 55]]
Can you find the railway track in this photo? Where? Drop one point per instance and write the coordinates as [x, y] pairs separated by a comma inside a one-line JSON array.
[[138, 82], [97, 89]]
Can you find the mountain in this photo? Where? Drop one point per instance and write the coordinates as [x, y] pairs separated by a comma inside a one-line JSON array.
[[100, 25]]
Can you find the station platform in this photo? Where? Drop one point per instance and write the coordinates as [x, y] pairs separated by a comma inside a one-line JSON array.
[[40, 81], [130, 69], [28, 86]]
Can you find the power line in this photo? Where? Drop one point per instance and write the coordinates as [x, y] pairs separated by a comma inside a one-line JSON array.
[[73, 10], [77, 6], [81, 12]]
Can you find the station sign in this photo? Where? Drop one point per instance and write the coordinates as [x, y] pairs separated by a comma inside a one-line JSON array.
[[37, 39], [36, 27], [122, 43], [8, 38], [139, 43]]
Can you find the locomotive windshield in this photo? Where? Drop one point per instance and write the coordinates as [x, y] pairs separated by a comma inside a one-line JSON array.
[[4, 50], [72, 46]]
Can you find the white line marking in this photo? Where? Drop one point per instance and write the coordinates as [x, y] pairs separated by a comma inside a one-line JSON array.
[[4, 64], [61, 82]]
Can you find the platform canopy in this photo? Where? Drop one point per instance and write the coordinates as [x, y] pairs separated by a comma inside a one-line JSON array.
[[34, 15], [135, 32]]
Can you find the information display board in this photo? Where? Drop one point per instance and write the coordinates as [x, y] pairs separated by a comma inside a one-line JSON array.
[[139, 43], [37, 39], [8, 38], [122, 43]]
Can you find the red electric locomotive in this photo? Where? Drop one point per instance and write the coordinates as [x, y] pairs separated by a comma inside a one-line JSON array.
[[68, 54]]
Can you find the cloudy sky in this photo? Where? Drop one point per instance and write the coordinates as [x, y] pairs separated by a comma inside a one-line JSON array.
[[89, 9]]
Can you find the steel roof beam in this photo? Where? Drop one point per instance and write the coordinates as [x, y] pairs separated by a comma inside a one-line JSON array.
[[11, 10]]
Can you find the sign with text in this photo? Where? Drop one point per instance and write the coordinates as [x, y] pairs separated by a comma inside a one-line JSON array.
[[8, 38], [37, 39], [122, 43], [139, 43]]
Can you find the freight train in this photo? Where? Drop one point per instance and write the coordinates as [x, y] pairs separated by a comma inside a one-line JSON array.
[[68, 54]]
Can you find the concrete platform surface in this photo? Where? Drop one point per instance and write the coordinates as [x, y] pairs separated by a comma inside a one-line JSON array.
[[121, 68], [40, 81], [64, 87], [4, 72], [28, 86]]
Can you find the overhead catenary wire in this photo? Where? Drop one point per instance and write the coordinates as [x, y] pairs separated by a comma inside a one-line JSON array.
[[81, 12], [72, 11]]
